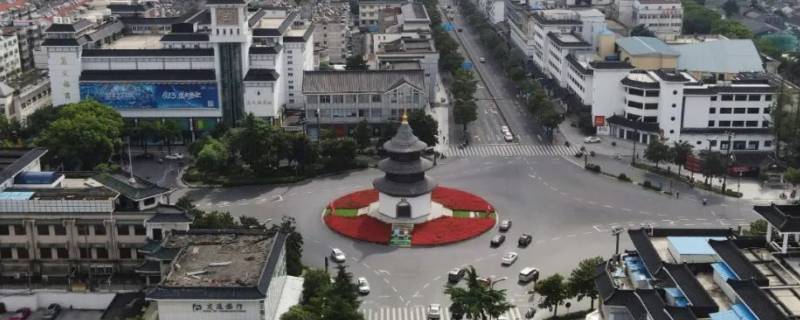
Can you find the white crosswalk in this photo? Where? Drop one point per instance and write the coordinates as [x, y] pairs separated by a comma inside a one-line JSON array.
[[491, 150], [418, 313]]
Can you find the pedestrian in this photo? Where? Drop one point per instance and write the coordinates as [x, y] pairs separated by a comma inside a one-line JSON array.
[[677, 195], [705, 201]]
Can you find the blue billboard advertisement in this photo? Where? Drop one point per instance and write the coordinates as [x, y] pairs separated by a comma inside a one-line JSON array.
[[152, 95]]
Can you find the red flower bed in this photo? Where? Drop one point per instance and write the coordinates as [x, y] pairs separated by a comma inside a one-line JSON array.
[[363, 228], [455, 199], [446, 230], [356, 200]]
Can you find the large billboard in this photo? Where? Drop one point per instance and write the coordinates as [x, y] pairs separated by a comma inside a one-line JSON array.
[[152, 95]]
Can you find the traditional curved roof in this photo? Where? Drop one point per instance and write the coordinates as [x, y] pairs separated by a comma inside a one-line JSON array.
[[404, 141], [404, 189]]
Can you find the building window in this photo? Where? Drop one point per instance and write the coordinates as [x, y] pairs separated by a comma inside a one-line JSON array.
[[725, 110], [724, 123], [651, 93], [123, 230], [768, 97], [651, 106], [99, 230], [324, 99], [766, 110], [338, 99], [139, 230], [102, 253], [674, 92], [712, 110], [751, 124], [737, 123], [376, 98], [741, 97], [86, 253], [674, 105], [60, 230], [83, 230], [767, 143], [765, 123], [125, 253], [62, 253], [45, 253], [672, 131], [43, 230], [699, 142], [634, 104], [19, 230], [754, 97], [752, 145], [5, 230], [5, 253], [636, 92], [727, 97], [723, 145], [22, 253], [672, 119], [752, 110], [739, 110], [711, 123], [713, 98]]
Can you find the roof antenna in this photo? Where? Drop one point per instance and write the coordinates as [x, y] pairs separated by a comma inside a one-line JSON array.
[[131, 180]]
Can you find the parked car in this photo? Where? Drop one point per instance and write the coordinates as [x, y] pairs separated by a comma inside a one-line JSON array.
[[508, 137], [498, 240], [174, 156], [434, 311], [524, 240], [21, 314], [592, 139], [530, 313], [509, 258], [460, 30], [505, 224], [456, 275], [363, 285], [338, 255], [505, 129], [53, 310], [482, 59]]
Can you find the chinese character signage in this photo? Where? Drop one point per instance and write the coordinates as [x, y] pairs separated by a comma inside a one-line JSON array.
[[218, 307], [151, 95]]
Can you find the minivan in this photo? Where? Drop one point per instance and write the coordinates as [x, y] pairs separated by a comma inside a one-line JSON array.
[[528, 274]]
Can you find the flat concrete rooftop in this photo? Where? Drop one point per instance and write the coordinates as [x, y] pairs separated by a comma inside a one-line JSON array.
[[218, 260], [149, 41]]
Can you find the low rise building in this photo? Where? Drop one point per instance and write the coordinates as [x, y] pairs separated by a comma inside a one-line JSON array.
[[66, 228], [223, 274], [18, 104], [493, 9], [663, 17], [340, 99], [369, 12], [332, 31], [10, 63]]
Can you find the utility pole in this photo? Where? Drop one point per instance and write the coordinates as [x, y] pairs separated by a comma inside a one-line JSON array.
[[725, 163]]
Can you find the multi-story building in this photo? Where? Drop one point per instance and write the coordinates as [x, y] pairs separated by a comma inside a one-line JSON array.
[[10, 64], [58, 227], [662, 17], [493, 9], [332, 31], [340, 99], [242, 62], [222, 274], [18, 104], [369, 12], [703, 274]]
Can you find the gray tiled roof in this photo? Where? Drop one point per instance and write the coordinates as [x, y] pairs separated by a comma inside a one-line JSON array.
[[646, 46], [720, 56], [360, 81]]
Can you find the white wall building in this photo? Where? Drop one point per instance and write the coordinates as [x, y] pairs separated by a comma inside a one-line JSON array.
[[10, 64], [662, 17], [493, 9]]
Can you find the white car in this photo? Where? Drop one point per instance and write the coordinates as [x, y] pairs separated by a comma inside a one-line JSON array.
[[434, 311], [505, 129], [363, 285], [508, 137], [509, 258], [174, 156], [482, 59], [338, 255], [592, 139]]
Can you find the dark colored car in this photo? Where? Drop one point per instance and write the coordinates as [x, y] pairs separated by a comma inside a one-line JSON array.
[[21, 314], [53, 310], [498, 240], [505, 225], [524, 240], [456, 275], [460, 30]]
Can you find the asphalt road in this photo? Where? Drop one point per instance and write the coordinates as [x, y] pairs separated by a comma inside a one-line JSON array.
[[569, 211], [496, 99]]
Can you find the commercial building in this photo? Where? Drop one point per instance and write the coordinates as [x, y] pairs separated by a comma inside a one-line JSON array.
[[663, 17], [223, 274], [697, 274], [340, 99], [67, 228], [199, 69], [10, 64]]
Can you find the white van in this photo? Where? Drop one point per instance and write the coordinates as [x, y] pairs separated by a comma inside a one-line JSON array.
[[528, 274]]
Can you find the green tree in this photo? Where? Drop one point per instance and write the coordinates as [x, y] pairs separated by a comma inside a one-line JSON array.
[[256, 144], [680, 152], [344, 287], [758, 228], [168, 131], [37, 121], [581, 280], [294, 245], [213, 157], [464, 85], [316, 283], [249, 222], [731, 29], [731, 8], [146, 131], [214, 220], [424, 126], [792, 175], [356, 62], [713, 165], [464, 112], [477, 300], [554, 291], [362, 134], [85, 134], [298, 312], [304, 153], [641, 31], [339, 153], [657, 152]]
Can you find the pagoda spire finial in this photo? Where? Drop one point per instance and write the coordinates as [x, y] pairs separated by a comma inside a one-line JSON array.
[[405, 117]]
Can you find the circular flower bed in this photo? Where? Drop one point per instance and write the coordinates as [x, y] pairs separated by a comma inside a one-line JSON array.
[[471, 217]]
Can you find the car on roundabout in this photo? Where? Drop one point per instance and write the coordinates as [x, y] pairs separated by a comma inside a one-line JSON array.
[[509, 258], [524, 240], [363, 285], [497, 240], [505, 225], [455, 275], [338, 255]]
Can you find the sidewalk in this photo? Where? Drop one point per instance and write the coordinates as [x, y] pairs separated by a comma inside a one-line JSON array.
[[617, 159], [440, 111]]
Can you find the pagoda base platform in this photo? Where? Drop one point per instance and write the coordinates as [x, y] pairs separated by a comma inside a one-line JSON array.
[[437, 210]]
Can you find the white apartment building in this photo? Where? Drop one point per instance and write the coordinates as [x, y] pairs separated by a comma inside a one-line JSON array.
[[10, 64], [369, 12], [332, 31], [493, 9], [18, 104], [662, 17]]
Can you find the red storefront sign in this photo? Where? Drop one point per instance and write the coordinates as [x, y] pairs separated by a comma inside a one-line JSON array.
[[693, 164], [599, 121]]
